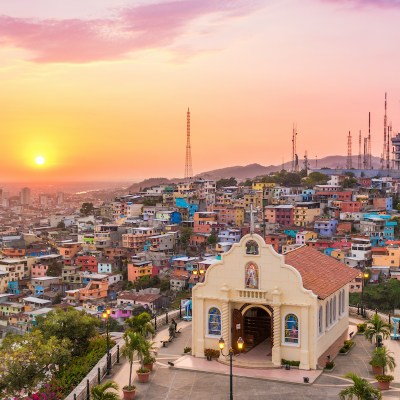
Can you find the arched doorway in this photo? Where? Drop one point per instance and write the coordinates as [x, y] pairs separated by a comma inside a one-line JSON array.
[[256, 326]]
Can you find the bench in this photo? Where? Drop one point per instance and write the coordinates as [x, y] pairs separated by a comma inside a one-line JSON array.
[[166, 341]]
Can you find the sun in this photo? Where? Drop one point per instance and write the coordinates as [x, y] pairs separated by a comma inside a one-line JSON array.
[[39, 160]]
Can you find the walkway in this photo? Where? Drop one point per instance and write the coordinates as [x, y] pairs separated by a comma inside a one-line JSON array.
[[183, 381]]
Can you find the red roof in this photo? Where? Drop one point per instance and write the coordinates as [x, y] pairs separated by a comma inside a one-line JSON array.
[[320, 273]]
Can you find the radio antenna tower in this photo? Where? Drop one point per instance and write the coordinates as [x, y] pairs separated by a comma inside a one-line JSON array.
[[349, 163], [359, 151], [384, 137], [369, 155], [188, 162], [387, 140], [294, 150]]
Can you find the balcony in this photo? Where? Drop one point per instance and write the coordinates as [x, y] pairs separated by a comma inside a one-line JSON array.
[[253, 295]]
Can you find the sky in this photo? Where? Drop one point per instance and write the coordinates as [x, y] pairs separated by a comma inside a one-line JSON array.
[[100, 88]]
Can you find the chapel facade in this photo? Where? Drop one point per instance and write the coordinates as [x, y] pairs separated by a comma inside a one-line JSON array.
[[292, 307]]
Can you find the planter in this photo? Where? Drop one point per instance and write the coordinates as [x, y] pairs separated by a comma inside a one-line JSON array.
[[143, 377], [377, 370], [129, 394], [348, 351], [329, 369], [149, 366], [209, 358], [384, 385]]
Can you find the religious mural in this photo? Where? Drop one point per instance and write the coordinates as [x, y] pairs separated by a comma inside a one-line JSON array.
[[214, 321], [251, 276], [291, 329]]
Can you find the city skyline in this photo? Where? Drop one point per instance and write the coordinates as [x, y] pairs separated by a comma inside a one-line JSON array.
[[101, 89]]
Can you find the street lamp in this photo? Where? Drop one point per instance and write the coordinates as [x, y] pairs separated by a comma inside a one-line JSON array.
[[221, 344], [106, 316], [364, 275]]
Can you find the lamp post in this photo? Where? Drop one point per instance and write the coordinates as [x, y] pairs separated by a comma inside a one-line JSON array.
[[106, 316], [221, 344], [364, 275]]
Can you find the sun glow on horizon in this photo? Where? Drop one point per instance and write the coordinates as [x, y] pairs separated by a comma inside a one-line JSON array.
[[40, 160]]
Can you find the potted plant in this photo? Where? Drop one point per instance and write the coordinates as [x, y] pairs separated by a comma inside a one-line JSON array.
[[361, 389], [361, 328], [134, 345], [187, 350], [376, 328], [208, 353], [148, 362], [381, 358], [101, 392], [141, 324], [384, 381]]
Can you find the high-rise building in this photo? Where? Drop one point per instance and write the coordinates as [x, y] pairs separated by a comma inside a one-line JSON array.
[[25, 196], [60, 198]]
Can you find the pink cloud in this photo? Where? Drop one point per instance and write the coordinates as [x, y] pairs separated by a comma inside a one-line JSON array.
[[368, 3], [133, 29]]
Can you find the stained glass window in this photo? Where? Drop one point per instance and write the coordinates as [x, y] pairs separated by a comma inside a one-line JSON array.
[[214, 321], [291, 329]]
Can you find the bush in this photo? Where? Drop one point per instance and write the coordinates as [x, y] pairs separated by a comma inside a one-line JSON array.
[[290, 362], [211, 353], [361, 328], [329, 365], [384, 378], [347, 345], [187, 349], [142, 370]]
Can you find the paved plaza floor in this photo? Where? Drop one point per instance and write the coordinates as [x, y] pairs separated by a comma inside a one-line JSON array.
[[170, 383]]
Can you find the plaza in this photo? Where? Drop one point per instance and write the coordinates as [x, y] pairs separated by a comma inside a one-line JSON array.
[[180, 382]]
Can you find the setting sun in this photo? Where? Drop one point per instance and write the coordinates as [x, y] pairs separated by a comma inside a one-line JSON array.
[[39, 160]]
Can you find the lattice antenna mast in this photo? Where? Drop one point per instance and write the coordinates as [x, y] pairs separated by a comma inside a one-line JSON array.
[[294, 150], [359, 151], [384, 136], [369, 155], [188, 162], [366, 156], [349, 163], [387, 140]]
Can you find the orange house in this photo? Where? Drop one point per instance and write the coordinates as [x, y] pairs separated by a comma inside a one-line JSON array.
[[95, 290], [139, 269]]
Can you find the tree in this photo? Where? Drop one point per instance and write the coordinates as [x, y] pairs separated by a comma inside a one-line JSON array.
[[61, 225], [226, 182], [361, 390], [77, 326], [185, 237], [376, 327], [87, 209], [28, 360], [101, 392], [212, 239], [316, 178], [141, 324]]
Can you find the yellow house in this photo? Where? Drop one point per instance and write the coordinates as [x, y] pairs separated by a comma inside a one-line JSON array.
[[292, 306], [339, 254], [239, 214], [304, 214], [255, 199], [391, 259], [262, 185]]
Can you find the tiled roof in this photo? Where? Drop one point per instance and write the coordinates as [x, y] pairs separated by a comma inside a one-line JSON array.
[[320, 273]]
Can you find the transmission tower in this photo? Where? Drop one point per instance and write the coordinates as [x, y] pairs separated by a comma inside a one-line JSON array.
[[349, 162], [295, 159], [359, 151], [384, 137], [369, 155], [188, 162]]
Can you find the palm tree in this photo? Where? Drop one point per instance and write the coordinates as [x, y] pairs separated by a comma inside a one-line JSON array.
[[383, 357], [100, 392], [135, 344], [141, 324], [376, 327], [361, 390]]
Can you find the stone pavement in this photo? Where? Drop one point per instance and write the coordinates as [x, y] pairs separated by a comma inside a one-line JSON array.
[[168, 383]]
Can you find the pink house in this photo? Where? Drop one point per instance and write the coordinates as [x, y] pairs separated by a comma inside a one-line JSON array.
[[121, 314], [39, 270]]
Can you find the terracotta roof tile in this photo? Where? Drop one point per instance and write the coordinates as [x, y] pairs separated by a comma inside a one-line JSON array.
[[320, 273]]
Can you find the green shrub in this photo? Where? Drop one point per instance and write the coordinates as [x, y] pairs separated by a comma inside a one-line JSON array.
[[384, 378], [211, 353], [187, 349], [361, 328], [329, 365], [292, 363]]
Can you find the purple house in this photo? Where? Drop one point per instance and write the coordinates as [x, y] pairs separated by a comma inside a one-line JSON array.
[[121, 314]]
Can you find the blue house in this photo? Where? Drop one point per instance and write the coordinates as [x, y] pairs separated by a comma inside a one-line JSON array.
[[13, 287], [308, 194], [325, 227], [182, 203]]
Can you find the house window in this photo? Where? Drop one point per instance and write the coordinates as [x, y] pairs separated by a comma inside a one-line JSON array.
[[327, 314], [334, 309], [214, 321], [320, 317], [291, 329]]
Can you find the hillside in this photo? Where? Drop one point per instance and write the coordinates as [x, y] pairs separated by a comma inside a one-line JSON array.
[[252, 170]]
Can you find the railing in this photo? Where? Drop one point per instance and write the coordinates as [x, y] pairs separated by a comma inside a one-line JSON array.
[[252, 294], [356, 311], [97, 374]]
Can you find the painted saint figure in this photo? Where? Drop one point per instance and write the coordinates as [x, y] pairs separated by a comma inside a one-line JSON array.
[[251, 276]]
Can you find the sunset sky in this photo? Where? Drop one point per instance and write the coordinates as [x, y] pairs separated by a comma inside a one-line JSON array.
[[100, 88]]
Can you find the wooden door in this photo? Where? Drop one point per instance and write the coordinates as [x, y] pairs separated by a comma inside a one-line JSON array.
[[237, 329]]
